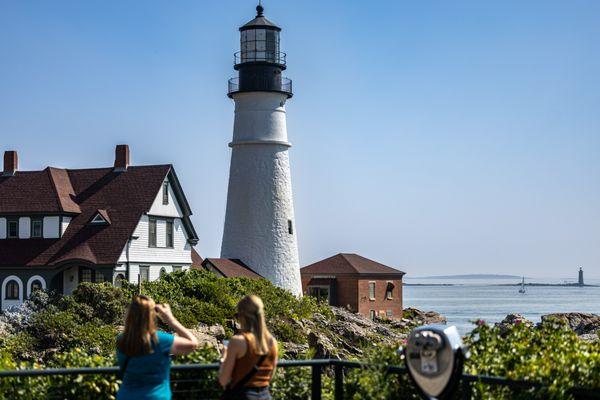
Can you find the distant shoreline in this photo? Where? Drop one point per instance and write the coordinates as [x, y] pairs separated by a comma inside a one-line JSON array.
[[575, 285]]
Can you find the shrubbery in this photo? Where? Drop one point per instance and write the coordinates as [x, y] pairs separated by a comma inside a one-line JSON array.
[[80, 330]]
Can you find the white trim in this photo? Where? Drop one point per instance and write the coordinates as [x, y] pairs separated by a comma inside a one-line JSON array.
[[98, 220], [19, 282], [30, 281]]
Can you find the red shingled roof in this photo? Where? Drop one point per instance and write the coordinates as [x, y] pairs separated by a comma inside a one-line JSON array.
[[349, 264], [231, 268], [80, 193], [197, 260]]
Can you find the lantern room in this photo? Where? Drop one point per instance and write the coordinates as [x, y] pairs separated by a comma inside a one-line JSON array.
[[259, 41]]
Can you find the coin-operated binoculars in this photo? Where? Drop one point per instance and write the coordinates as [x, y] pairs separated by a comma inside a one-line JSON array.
[[434, 356]]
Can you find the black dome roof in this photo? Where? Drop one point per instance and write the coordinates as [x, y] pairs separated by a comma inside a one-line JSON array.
[[260, 21]]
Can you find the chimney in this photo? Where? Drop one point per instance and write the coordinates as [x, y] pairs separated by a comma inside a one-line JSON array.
[[121, 157], [11, 163]]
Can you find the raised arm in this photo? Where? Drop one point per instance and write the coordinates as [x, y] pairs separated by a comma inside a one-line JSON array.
[[184, 342]]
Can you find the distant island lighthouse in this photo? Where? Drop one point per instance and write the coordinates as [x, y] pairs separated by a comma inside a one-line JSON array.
[[580, 281], [259, 220]]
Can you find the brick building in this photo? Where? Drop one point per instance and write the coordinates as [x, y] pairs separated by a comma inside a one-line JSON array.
[[349, 280]]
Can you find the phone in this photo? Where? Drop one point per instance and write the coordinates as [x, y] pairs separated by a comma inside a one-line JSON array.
[[225, 343]]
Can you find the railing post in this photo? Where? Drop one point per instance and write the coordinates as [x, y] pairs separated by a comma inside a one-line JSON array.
[[316, 382], [466, 389], [338, 370]]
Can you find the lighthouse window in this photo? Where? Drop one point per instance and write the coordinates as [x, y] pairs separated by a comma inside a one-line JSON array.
[[290, 227]]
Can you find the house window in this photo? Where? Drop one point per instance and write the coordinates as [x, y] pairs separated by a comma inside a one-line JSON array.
[[319, 292], [98, 220], [119, 279], [99, 277], [177, 268], [144, 273], [371, 290], [35, 286], [389, 291], [165, 193], [290, 227], [169, 240], [389, 313], [152, 232], [372, 315], [12, 229], [12, 290], [37, 227], [85, 275], [162, 272]]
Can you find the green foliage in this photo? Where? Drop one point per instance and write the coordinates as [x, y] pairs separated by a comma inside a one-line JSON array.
[[80, 331], [552, 355]]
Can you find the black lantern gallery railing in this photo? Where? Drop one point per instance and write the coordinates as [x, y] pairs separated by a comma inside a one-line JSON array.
[[283, 85], [274, 57]]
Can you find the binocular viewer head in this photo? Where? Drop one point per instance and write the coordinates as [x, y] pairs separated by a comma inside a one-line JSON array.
[[434, 357]]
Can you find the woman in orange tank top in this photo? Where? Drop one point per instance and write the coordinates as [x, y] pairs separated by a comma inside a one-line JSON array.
[[249, 361]]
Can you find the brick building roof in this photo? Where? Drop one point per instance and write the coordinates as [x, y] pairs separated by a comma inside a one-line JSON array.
[[231, 268], [349, 264], [121, 198]]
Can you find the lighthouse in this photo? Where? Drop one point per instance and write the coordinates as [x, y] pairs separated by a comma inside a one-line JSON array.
[[260, 228]]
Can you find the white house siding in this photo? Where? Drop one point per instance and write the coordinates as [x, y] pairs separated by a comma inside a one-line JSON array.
[[166, 210], [24, 227], [2, 228], [140, 253], [64, 225], [154, 270], [51, 225]]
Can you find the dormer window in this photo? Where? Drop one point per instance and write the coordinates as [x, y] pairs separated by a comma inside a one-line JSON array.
[[12, 228], [100, 218], [165, 193], [37, 227]]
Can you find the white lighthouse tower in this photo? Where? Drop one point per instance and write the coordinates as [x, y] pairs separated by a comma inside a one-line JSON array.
[[259, 223]]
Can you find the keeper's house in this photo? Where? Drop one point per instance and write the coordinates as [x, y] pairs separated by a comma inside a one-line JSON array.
[[60, 227], [362, 285]]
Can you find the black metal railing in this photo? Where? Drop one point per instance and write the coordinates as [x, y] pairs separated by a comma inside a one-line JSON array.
[[199, 380], [275, 57], [284, 86]]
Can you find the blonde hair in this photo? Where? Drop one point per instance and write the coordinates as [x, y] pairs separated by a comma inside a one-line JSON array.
[[140, 327], [251, 314]]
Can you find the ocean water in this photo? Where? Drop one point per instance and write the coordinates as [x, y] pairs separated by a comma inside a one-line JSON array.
[[468, 300]]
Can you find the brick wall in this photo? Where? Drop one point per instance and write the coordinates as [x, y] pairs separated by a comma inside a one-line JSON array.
[[380, 304], [354, 292]]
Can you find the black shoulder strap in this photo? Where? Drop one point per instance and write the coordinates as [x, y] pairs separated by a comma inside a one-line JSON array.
[[250, 374]]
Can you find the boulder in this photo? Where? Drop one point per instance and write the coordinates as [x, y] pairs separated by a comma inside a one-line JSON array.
[[580, 323], [512, 319], [209, 335]]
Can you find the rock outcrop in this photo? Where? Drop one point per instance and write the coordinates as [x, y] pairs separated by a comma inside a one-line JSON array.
[[341, 334], [586, 325], [512, 319]]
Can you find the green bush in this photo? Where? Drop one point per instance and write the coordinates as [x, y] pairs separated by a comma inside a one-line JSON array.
[[80, 330]]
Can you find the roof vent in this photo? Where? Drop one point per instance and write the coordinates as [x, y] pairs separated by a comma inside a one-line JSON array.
[[100, 218], [121, 157], [11, 163]]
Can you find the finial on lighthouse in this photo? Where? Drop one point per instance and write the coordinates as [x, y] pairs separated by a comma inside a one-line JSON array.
[[259, 9]]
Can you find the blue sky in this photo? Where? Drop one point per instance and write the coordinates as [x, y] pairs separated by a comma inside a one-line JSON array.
[[439, 137]]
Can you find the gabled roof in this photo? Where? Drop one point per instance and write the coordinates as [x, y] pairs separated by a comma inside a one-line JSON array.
[[349, 264], [197, 260], [230, 268], [80, 194]]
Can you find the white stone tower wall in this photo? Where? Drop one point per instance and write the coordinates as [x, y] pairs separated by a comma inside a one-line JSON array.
[[259, 198]]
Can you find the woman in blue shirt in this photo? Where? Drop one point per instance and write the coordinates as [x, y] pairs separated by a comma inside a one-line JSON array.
[[144, 353]]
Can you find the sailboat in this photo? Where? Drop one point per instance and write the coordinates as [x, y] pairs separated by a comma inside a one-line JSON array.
[[522, 290]]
